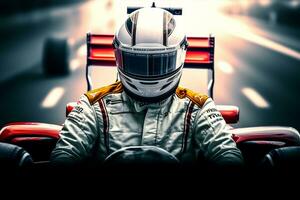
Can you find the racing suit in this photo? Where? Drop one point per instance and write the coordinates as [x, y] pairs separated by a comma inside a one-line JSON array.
[[107, 119]]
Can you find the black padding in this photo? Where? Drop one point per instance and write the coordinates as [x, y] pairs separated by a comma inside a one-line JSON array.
[[13, 156]]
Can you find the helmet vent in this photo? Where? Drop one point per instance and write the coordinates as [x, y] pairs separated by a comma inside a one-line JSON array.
[[127, 79], [163, 87], [171, 26], [129, 26], [172, 78], [133, 86], [148, 83]]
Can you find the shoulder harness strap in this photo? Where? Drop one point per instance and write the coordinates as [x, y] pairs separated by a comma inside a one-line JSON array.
[[97, 94], [196, 98]]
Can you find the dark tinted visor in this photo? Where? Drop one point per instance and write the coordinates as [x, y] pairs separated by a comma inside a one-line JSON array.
[[148, 64]]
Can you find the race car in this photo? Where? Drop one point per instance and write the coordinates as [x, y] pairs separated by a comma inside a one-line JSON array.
[[31, 143], [38, 139]]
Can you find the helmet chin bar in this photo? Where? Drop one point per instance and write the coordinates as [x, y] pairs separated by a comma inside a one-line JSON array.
[[150, 91], [151, 99]]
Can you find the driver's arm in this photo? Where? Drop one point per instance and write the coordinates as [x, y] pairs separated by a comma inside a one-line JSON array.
[[78, 135], [213, 138]]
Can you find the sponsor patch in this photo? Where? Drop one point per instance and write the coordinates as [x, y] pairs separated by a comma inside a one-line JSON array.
[[213, 115], [210, 110], [78, 109], [216, 120]]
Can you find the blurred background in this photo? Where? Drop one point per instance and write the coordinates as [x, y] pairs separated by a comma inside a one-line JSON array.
[[257, 58]]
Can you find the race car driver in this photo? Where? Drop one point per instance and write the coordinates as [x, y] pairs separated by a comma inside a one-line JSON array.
[[147, 107]]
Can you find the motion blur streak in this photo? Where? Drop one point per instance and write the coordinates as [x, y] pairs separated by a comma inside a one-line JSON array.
[[225, 67], [74, 64], [267, 43], [53, 97], [255, 98], [81, 52]]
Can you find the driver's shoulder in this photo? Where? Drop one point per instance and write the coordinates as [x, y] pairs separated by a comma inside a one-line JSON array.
[[95, 95], [195, 97]]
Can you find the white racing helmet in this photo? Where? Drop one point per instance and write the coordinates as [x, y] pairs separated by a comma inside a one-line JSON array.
[[150, 50]]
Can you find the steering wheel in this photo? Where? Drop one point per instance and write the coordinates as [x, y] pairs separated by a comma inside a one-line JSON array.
[[141, 155]]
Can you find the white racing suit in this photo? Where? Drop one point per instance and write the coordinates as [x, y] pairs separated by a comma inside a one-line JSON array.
[[186, 124]]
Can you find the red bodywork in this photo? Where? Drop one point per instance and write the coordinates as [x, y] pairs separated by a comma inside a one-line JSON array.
[[230, 113], [20, 131], [289, 136]]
